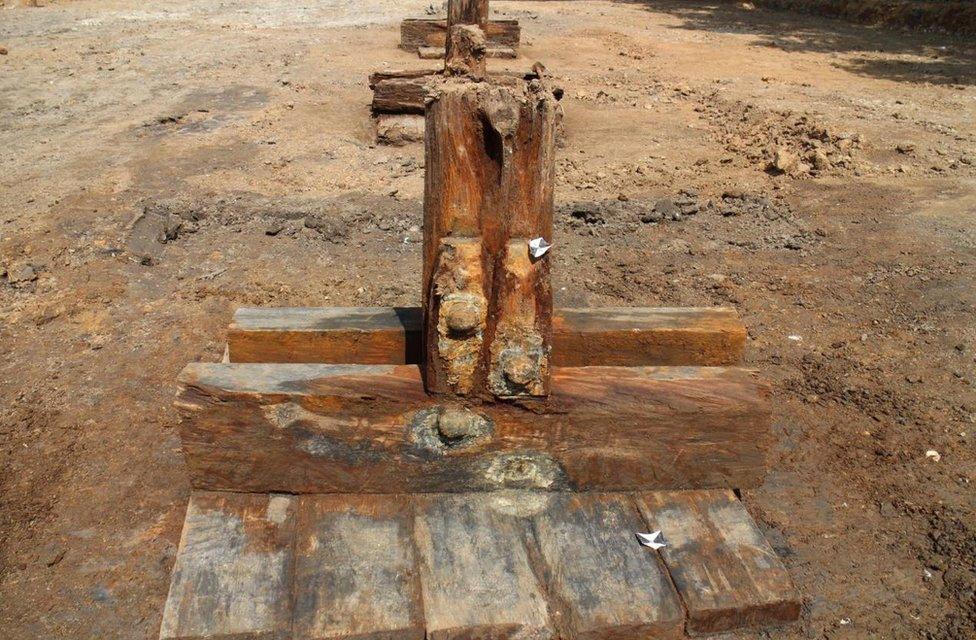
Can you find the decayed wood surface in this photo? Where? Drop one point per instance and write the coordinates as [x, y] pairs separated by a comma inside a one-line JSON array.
[[723, 567], [493, 51], [467, 12], [400, 92], [510, 564], [373, 429], [489, 176], [232, 576], [604, 584], [581, 337], [415, 33], [477, 581], [356, 569], [407, 91]]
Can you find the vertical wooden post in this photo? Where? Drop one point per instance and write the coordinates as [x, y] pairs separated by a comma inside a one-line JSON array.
[[488, 192], [467, 12], [467, 44]]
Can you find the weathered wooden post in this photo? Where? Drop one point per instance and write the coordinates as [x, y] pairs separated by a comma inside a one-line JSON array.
[[488, 193]]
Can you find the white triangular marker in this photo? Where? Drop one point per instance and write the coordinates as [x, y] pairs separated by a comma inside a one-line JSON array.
[[652, 540], [538, 247]]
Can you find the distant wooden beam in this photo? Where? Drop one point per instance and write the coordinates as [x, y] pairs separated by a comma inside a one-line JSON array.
[[373, 429], [416, 33], [627, 337]]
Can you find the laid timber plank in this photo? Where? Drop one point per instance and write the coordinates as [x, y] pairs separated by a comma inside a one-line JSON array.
[[355, 569], [233, 569], [408, 91], [724, 569], [372, 429], [606, 584], [475, 571], [437, 53], [416, 33], [328, 335], [581, 337]]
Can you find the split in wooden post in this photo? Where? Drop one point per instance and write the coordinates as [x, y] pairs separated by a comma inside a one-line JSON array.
[[489, 184]]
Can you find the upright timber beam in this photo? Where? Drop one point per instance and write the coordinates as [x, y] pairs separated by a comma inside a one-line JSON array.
[[488, 192], [473, 12]]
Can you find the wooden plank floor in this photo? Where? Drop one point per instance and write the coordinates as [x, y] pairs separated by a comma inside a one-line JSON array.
[[456, 566]]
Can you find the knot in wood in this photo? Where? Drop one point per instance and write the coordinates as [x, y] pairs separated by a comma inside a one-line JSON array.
[[519, 368], [462, 316], [455, 424]]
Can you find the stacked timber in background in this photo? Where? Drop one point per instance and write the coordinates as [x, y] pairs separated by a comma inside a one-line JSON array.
[[428, 37], [477, 467]]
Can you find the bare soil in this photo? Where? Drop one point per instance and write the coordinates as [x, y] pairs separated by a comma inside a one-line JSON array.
[[164, 163]]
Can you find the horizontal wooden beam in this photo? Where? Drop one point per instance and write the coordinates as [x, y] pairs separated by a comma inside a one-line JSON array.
[[437, 53], [416, 33], [299, 428], [406, 91], [488, 565], [582, 337]]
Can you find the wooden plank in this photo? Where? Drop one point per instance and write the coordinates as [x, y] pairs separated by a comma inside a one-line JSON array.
[[400, 95], [407, 91], [233, 569], [724, 569], [347, 335], [489, 180], [438, 53], [355, 569], [581, 337], [415, 33], [373, 429], [606, 584], [477, 581]]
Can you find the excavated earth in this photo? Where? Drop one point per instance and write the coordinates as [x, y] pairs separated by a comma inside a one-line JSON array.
[[164, 163]]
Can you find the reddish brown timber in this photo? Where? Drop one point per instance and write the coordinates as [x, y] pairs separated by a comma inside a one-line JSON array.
[[581, 337], [415, 33], [488, 188], [478, 583], [373, 429], [356, 571], [232, 576], [724, 569], [604, 584]]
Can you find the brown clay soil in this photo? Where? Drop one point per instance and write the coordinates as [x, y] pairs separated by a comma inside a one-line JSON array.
[[164, 163]]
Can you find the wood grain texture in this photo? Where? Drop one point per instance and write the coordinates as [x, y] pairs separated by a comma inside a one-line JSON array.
[[467, 12], [373, 429], [724, 569], [490, 169], [438, 53], [355, 571], [475, 571], [415, 33], [233, 570], [603, 582], [509, 564], [581, 337]]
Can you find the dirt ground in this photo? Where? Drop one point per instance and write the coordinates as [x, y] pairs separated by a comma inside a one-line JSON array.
[[164, 163]]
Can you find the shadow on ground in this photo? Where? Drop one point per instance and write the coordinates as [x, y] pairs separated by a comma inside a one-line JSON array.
[[876, 52]]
